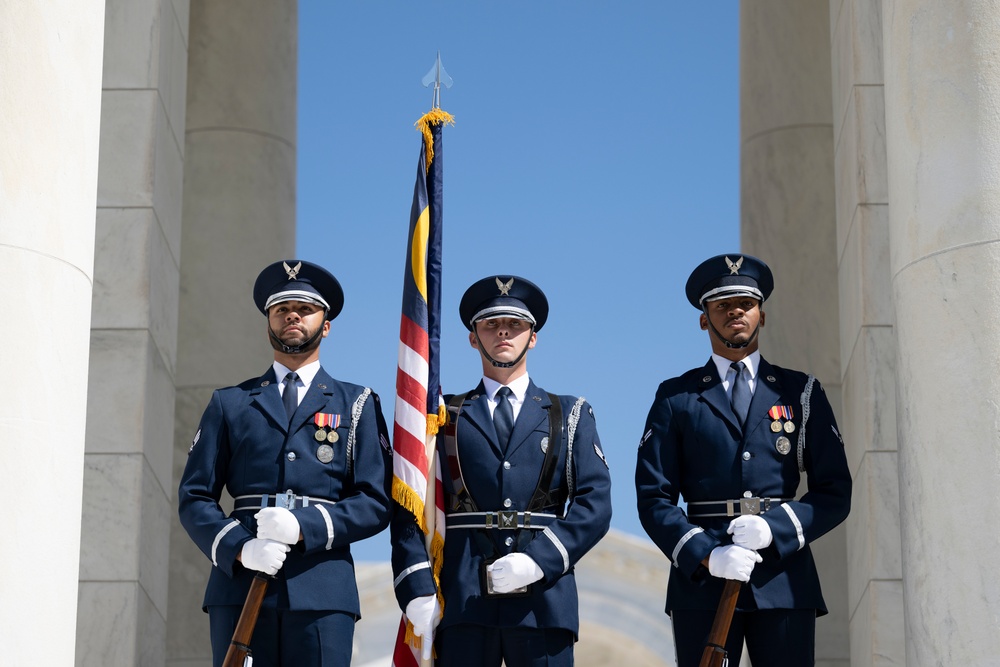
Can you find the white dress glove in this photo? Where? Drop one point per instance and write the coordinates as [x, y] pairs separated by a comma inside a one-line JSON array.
[[750, 532], [514, 571], [277, 523], [425, 613], [732, 562], [265, 556]]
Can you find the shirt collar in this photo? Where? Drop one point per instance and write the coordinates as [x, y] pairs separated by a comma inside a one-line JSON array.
[[306, 374], [752, 362], [519, 387]]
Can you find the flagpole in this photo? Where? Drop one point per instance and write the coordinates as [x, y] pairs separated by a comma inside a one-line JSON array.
[[419, 407]]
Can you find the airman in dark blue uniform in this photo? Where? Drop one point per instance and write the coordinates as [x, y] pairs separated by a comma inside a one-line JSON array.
[[732, 438], [308, 462], [527, 494]]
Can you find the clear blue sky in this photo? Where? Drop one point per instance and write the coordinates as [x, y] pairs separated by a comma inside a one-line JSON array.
[[595, 152]]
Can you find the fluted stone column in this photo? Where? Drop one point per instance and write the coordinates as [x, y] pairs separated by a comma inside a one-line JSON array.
[[942, 102], [50, 69], [239, 215], [128, 468], [788, 220], [867, 341]]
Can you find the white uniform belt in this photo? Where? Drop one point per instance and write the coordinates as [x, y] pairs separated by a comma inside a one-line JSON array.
[[502, 520], [730, 508], [287, 500]]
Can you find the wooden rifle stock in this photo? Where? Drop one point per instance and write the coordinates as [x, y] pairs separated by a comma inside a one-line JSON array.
[[715, 649], [240, 644]]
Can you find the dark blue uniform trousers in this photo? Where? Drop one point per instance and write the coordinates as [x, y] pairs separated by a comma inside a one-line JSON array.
[[468, 645], [774, 637], [284, 638]]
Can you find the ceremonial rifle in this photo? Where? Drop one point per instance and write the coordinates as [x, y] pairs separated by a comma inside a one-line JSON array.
[[715, 649], [239, 647]]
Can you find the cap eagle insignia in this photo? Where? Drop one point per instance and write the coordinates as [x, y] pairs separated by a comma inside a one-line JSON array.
[[505, 287], [293, 271], [734, 267]]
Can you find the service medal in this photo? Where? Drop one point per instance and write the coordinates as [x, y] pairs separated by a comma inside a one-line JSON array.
[[789, 427], [324, 453], [320, 434], [332, 437], [776, 426], [783, 445]]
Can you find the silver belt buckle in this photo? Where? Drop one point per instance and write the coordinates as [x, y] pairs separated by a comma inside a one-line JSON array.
[[508, 519], [286, 500], [749, 505]]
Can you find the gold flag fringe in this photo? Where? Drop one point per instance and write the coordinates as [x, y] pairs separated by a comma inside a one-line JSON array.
[[432, 117], [409, 500]]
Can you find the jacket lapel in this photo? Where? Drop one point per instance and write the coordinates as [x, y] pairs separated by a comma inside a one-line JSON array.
[[477, 410], [266, 395], [534, 410], [714, 393]]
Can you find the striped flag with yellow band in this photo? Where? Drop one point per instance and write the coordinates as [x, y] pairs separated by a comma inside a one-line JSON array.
[[419, 408]]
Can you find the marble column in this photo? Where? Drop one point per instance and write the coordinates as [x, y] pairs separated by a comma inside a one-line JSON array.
[[50, 66], [787, 216], [942, 95], [239, 215], [128, 465], [867, 340]]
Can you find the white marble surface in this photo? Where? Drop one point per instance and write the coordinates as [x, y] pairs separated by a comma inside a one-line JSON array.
[[870, 396], [877, 627], [50, 66], [873, 539], [856, 40], [863, 276], [784, 65], [787, 220], [943, 147], [860, 158]]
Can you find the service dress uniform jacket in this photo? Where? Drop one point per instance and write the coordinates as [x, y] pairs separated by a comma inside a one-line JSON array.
[[505, 481], [245, 445], [692, 446]]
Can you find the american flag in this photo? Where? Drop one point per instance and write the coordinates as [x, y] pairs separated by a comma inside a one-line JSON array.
[[419, 410]]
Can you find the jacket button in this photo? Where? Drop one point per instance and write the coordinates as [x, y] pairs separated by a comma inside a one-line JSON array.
[[746, 456], [747, 494], [291, 456], [506, 502], [509, 541], [506, 465]]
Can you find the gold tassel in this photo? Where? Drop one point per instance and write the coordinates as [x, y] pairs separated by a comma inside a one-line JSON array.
[[436, 421], [432, 117]]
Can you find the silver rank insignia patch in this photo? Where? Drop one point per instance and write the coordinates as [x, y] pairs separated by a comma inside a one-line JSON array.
[[197, 437], [601, 454], [505, 287]]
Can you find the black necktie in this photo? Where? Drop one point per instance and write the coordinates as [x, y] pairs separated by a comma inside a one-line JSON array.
[[503, 416], [290, 397], [741, 391]]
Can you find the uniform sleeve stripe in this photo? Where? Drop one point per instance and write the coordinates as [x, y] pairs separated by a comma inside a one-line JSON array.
[[559, 546], [410, 570], [329, 526], [684, 540], [795, 522], [218, 538]]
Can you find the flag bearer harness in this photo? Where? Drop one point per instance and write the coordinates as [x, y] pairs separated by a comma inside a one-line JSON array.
[[464, 514]]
